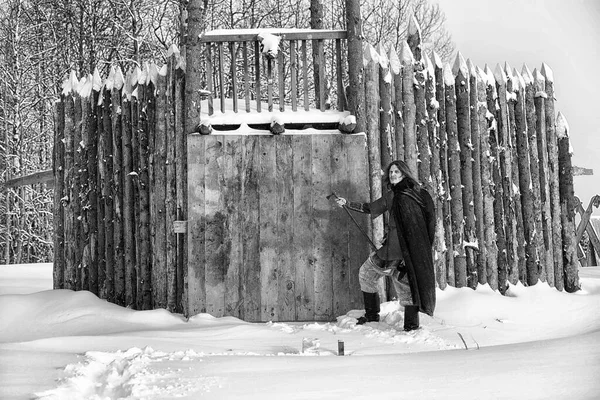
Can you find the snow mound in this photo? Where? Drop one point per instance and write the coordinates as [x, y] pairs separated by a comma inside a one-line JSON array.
[[64, 312]]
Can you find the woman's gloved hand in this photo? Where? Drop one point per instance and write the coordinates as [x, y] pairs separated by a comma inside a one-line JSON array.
[[341, 202]]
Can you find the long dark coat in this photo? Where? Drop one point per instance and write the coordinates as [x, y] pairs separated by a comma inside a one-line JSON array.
[[414, 212]]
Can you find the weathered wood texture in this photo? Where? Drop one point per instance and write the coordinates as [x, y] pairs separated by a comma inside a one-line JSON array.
[[265, 243], [118, 168]]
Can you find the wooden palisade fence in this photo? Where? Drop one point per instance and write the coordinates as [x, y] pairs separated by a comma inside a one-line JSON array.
[[120, 186], [487, 144], [491, 149]]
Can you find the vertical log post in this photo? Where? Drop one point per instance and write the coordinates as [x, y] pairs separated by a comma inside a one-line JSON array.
[[486, 123], [552, 146], [58, 216], [128, 195], [158, 192], [439, 244], [94, 194], [117, 82], [69, 183], [456, 205], [521, 273], [171, 179], [181, 170], [77, 186], [385, 110], [505, 157], [444, 192], [146, 106], [371, 68], [497, 275], [398, 126], [525, 186], [534, 167], [463, 120], [408, 107], [542, 146], [480, 256], [567, 205]]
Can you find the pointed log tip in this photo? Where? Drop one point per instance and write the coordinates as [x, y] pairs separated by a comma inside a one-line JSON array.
[[429, 67], [163, 70], [119, 79], [500, 75], [526, 73], [406, 55], [448, 75], [369, 54], [562, 126], [384, 62], [437, 60], [547, 72], [471, 67], [460, 66], [395, 65], [85, 89], [97, 86], [519, 79], [173, 51]]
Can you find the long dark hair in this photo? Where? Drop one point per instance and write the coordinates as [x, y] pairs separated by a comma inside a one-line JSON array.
[[406, 171]]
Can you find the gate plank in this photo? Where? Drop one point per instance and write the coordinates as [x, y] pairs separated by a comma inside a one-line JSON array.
[[302, 257], [217, 242], [232, 161], [250, 290], [285, 199], [321, 169], [268, 212], [196, 275], [339, 228]]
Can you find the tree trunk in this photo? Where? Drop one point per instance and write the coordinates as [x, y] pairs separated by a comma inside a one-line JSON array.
[[463, 120], [555, 208], [567, 203], [356, 94], [317, 15]]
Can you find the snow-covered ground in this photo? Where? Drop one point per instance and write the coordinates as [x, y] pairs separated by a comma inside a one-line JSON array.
[[534, 343]]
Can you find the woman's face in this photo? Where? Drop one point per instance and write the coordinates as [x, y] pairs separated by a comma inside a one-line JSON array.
[[395, 175]]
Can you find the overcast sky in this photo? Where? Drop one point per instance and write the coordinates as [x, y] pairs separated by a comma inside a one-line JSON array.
[[563, 34]]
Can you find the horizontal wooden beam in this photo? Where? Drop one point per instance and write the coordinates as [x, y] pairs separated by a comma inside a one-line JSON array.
[[244, 35], [31, 179], [582, 171]]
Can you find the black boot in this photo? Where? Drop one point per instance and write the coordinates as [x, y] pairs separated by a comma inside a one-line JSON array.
[[371, 308], [411, 318]]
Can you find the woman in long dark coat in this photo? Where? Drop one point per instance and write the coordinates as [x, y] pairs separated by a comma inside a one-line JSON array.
[[406, 254]]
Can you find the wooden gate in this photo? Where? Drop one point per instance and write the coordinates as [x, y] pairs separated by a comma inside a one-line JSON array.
[[264, 243]]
